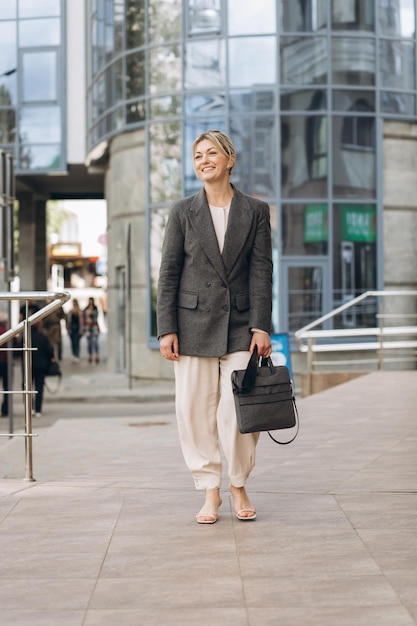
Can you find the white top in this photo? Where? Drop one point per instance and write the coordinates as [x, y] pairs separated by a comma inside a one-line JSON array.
[[220, 217]]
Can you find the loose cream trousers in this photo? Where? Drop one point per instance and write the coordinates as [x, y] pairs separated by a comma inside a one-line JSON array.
[[206, 416]]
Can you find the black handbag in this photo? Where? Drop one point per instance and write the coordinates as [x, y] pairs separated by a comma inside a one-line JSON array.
[[264, 398], [54, 369]]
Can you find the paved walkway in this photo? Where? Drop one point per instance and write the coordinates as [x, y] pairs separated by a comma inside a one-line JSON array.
[[106, 535]]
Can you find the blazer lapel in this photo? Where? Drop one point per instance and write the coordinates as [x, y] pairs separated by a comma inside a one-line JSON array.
[[202, 225], [238, 228]]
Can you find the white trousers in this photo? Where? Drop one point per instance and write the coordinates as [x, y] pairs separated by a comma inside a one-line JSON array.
[[206, 417]]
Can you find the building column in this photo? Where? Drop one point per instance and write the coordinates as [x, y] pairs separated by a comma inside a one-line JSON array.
[[33, 262]]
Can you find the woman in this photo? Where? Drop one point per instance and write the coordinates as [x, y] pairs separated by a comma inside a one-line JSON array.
[[42, 356], [91, 330], [74, 328], [214, 307]]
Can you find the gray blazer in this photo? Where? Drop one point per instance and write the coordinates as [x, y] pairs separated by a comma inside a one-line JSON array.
[[213, 300]]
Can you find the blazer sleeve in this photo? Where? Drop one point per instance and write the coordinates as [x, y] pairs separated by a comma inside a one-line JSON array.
[[260, 273]]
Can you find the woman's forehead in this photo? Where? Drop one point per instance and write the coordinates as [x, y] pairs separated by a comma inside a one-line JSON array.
[[204, 144]]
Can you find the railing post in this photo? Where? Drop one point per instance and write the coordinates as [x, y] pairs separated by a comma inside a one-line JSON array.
[[310, 353], [27, 386], [381, 335]]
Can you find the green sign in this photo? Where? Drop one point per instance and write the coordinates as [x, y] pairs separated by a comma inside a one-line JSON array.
[[358, 222], [315, 223]]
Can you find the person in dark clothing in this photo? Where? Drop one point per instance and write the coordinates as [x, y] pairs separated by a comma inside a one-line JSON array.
[[41, 361], [75, 329]]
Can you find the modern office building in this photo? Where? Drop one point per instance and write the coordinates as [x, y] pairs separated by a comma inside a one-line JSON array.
[[319, 97]]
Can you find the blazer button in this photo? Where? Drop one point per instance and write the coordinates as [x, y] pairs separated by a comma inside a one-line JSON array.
[[225, 307], [208, 283]]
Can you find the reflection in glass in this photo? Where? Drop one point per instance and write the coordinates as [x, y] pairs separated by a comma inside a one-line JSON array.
[[353, 15], [159, 218], [397, 17], [304, 167], [353, 61], [135, 75], [244, 66], [257, 18], [40, 124], [252, 100], [165, 158], [167, 106], [8, 63], [40, 157], [135, 112], [399, 103], [303, 100], [164, 20], [7, 126], [38, 8], [204, 17], [205, 103], [29, 33], [39, 76], [303, 60], [256, 157], [397, 64], [304, 229], [345, 99], [165, 69], [303, 15], [305, 296], [354, 260], [205, 64], [354, 156], [134, 23]]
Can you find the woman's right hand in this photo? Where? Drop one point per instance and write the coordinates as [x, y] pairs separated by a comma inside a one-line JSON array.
[[168, 346]]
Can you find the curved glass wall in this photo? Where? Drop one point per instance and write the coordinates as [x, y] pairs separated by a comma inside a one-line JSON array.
[[31, 84], [300, 85]]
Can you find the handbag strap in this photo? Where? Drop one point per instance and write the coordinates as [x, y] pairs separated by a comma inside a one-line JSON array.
[[297, 419]]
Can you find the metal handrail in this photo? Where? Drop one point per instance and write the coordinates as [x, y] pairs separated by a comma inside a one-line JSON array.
[[306, 337], [57, 299]]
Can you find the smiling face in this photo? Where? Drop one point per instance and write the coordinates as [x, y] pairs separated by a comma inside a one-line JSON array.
[[211, 164]]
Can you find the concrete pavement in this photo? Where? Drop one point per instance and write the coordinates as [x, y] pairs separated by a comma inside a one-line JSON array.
[[106, 535]]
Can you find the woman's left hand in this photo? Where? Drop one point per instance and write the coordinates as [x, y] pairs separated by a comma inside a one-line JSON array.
[[263, 342]]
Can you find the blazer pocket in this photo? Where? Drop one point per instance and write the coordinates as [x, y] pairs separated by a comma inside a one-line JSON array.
[[242, 302], [187, 300]]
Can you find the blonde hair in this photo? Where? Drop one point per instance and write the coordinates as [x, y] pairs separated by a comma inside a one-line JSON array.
[[221, 140]]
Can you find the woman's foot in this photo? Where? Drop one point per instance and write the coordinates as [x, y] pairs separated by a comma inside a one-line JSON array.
[[243, 507], [209, 511]]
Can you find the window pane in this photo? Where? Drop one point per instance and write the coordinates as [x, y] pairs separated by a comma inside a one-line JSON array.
[[399, 103], [7, 126], [29, 33], [354, 261], [167, 106], [135, 75], [305, 296], [40, 157], [353, 61], [135, 112], [304, 165], [165, 160], [252, 100], [354, 156], [39, 76], [8, 63], [205, 104], [353, 15], [256, 158], [205, 64], [135, 24], [165, 69], [304, 229], [397, 17], [164, 20], [303, 15], [204, 17], [303, 100], [159, 218], [303, 60], [38, 8], [397, 64], [244, 66], [40, 124], [8, 10], [257, 17], [344, 100]]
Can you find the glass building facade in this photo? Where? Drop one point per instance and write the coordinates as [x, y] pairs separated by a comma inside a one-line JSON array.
[[301, 86], [32, 84]]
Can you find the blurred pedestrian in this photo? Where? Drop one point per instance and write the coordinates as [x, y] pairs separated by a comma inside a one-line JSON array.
[[91, 330], [52, 327], [74, 323], [41, 362]]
